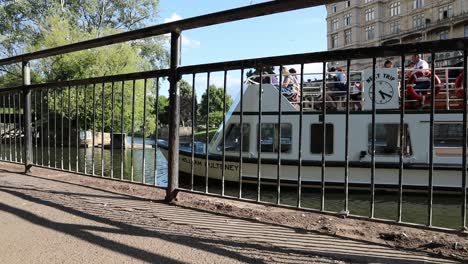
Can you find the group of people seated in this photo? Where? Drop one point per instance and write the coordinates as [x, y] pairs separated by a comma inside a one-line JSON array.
[[337, 82]]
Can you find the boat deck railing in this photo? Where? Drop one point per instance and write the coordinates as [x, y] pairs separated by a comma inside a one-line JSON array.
[[447, 98]]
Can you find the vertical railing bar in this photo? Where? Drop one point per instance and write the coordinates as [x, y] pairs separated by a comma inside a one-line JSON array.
[[15, 128], [123, 135], [301, 119], [112, 130], [10, 112], [431, 142], [278, 165], [143, 177], [259, 146], [372, 203], [3, 122], [55, 128], [156, 135], [69, 128], [192, 160], [20, 129], [48, 129], [346, 176], [93, 164], [61, 128], [77, 159], [207, 129], [223, 170], [133, 131], [35, 128], [241, 132], [102, 129], [174, 117], [85, 128], [42, 127], [324, 138], [27, 152], [403, 139], [465, 135]]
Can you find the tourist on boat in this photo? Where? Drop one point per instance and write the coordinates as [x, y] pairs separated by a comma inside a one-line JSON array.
[[419, 64], [388, 64], [290, 86]]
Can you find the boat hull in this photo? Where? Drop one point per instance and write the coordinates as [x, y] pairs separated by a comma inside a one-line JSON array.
[[448, 179]]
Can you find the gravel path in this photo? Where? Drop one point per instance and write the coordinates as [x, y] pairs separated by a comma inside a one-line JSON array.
[[45, 220]]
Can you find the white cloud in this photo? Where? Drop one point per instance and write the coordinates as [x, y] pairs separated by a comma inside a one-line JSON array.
[[186, 42], [174, 17]]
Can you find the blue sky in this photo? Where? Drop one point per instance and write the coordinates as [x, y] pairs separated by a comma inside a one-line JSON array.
[[281, 34]]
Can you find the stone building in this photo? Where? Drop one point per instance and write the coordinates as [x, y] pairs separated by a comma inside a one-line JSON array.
[[364, 23]]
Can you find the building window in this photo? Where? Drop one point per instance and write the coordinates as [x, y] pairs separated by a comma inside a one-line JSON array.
[[395, 9], [348, 3], [348, 37], [395, 27], [347, 19], [370, 14], [444, 34], [445, 12], [316, 138], [270, 134], [418, 21], [335, 24], [370, 32], [418, 4], [233, 136], [466, 31], [334, 41], [334, 8], [387, 139]]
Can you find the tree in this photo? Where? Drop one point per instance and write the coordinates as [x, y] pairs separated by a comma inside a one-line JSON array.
[[29, 26], [256, 71], [115, 59], [162, 106], [216, 105], [186, 104], [25, 23]]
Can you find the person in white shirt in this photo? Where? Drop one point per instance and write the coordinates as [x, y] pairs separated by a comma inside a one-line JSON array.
[[419, 64]]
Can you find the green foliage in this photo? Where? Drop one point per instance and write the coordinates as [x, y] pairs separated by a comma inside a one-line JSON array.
[[29, 26], [256, 71], [162, 105], [216, 106]]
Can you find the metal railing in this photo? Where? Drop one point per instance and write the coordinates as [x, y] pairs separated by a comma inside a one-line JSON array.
[[31, 106]]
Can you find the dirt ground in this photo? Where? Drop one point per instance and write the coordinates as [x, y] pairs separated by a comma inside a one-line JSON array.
[[446, 244]]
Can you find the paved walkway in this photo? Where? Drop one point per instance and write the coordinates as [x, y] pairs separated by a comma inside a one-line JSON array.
[[49, 221]]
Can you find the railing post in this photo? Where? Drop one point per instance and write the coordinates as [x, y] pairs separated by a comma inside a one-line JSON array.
[[27, 151], [174, 103]]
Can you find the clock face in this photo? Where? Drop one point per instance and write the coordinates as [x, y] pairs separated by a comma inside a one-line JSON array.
[[384, 91]]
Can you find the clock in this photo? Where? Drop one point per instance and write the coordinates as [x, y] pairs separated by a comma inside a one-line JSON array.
[[384, 91]]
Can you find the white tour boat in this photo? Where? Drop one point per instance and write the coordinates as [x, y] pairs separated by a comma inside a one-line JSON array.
[[447, 148]]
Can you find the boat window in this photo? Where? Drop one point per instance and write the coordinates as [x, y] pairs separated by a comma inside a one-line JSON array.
[[269, 140], [387, 139], [233, 134], [448, 135], [316, 138]]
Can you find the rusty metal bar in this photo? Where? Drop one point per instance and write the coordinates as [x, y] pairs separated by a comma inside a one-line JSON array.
[[251, 11], [28, 144], [174, 102], [402, 139]]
